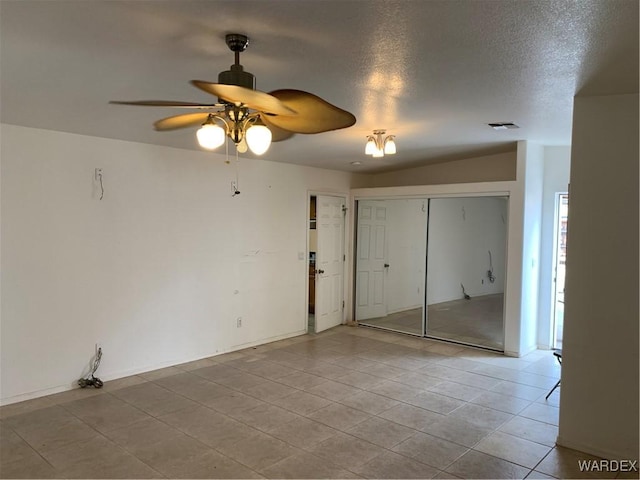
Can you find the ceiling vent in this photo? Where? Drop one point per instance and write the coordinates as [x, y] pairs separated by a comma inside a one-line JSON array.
[[503, 126]]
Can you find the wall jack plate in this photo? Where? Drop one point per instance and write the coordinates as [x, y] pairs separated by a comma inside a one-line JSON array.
[[98, 174]]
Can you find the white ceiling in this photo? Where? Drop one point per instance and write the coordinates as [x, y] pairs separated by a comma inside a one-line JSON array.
[[432, 72]]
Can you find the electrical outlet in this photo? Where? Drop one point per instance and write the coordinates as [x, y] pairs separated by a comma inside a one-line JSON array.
[[239, 322], [98, 347]]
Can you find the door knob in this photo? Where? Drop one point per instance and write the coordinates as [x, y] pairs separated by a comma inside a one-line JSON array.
[[319, 272], [386, 265]]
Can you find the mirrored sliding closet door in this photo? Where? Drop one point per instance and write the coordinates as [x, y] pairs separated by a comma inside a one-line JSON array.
[[466, 270], [447, 254], [391, 263]]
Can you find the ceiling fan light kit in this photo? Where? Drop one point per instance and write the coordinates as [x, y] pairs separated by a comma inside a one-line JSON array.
[[249, 117], [377, 146], [244, 129]]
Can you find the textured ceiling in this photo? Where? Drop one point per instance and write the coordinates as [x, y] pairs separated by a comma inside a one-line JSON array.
[[432, 72]]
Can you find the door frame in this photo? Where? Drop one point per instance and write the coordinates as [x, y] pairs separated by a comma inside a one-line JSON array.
[[346, 196], [555, 251]]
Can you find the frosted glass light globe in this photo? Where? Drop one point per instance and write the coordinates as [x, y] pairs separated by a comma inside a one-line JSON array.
[[258, 138], [210, 136], [390, 145], [371, 147]]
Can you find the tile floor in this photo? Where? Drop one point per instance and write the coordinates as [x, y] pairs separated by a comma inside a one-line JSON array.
[[347, 403]]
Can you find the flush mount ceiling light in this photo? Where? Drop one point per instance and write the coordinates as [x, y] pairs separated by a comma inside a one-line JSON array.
[[250, 118], [378, 145]]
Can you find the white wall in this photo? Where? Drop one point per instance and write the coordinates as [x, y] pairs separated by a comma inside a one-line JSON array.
[[557, 163], [533, 189], [462, 231], [599, 398], [523, 251], [488, 168], [407, 243], [158, 271]]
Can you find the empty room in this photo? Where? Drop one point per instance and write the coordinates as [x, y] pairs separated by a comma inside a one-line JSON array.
[[319, 239]]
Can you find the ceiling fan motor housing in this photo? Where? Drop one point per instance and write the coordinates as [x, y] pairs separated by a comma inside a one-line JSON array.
[[237, 76]]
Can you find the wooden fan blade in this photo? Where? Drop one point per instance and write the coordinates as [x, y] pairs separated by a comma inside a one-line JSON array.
[[315, 115], [167, 103], [181, 121], [241, 96], [277, 134]]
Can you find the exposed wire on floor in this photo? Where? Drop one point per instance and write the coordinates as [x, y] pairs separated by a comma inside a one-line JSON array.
[[91, 380], [490, 275], [466, 297]]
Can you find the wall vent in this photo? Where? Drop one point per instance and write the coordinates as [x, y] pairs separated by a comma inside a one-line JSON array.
[[503, 126]]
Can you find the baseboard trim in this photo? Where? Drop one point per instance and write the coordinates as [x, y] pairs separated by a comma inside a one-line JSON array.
[[264, 341], [527, 351], [37, 394], [598, 452]]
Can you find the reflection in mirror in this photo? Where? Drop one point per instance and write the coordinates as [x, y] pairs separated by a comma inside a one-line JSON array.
[[390, 264], [466, 270]]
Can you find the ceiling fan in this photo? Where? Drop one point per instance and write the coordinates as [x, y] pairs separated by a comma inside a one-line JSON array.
[[249, 117]]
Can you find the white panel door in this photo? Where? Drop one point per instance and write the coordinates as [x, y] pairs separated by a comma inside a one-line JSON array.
[[329, 262], [371, 260]]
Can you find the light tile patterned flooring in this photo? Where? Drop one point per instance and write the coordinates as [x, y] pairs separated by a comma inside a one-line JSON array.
[[347, 403]]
